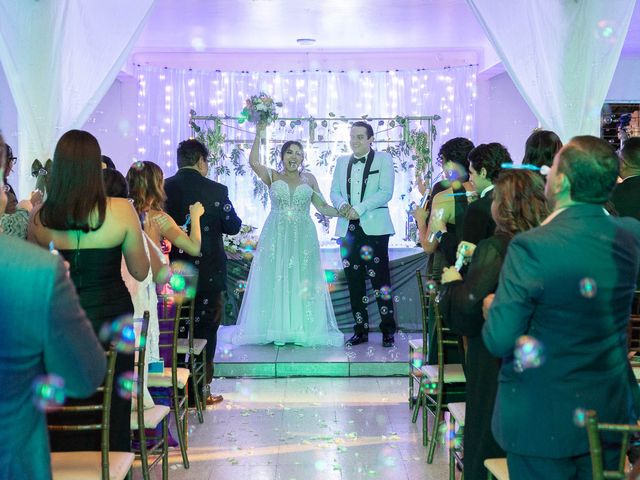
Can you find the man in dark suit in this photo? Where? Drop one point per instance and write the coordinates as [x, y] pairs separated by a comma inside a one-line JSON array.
[[44, 331], [626, 195], [568, 286], [188, 186]]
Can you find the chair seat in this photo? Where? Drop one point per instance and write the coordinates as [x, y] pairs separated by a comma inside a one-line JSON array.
[[453, 373], [457, 411], [88, 465], [636, 372], [416, 344], [152, 416], [497, 467], [164, 379], [198, 345]]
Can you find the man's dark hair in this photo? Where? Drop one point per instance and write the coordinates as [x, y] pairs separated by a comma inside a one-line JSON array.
[[368, 127], [591, 165], [489, 156], [108, 162], [115, 185], [190, 151], [630, 153], [456, 150]]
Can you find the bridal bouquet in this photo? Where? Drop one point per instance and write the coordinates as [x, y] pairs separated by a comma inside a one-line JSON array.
[[259, 108]]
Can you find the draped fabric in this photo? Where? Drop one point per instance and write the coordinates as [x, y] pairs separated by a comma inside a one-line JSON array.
[[60, 57], [166, 96], [561, 55]]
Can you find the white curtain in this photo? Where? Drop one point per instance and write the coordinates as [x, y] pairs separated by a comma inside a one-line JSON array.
[[561, 54], [166, 96], [60, 57]]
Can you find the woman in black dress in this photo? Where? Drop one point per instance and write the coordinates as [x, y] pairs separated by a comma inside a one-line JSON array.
[[518, 205], [92, 232]]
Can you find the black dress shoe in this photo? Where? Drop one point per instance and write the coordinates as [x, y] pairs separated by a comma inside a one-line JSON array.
[[358, 338], [388, 340]]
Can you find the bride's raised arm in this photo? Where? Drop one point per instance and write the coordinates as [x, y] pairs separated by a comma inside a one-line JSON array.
[[317, 199], [260, 170]]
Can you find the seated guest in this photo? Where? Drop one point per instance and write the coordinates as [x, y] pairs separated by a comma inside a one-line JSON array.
[[541, 147], [45, 332], [518, 205], [92, 231], [563, 301], [485, 163], [626, 195]]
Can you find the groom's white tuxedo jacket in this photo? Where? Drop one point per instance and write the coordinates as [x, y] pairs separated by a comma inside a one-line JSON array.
[[371, 189]]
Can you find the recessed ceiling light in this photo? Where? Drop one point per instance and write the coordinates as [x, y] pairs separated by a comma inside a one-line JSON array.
[[306, 41]]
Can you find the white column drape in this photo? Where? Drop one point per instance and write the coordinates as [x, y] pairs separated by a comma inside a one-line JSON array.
[[561, 55], [60, 57]]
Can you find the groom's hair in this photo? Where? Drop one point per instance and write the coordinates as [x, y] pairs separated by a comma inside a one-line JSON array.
[[365, 125], [190, 151]]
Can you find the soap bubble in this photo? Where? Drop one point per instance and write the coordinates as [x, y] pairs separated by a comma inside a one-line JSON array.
[[588, 288], [579, 417], [183, 280], [385, 292], [366, 253], [120, 333], [528, 353], [48, 392], [126, 385]]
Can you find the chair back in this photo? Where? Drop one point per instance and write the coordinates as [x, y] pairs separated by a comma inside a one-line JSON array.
[[140, 381], [102, 405], [424, 310], [595, 445], [444, 336]]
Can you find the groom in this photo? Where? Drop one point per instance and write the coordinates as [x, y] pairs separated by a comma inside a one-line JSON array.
[[361, 188]]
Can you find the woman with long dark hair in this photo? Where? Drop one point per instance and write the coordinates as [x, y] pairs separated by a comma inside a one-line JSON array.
[[92, 232], [519, 204]]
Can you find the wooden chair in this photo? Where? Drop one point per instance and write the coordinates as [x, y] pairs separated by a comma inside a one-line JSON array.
[[496, 468], [418, 346], [595, 448], [173, 377], [195, 354], [457, 412], [149, 418], [103, 464], [439, 384]]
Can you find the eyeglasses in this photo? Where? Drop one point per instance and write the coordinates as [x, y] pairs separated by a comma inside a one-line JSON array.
[[12, 160]]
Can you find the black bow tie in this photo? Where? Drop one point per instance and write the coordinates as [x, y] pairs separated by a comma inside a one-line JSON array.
[[359, 160]]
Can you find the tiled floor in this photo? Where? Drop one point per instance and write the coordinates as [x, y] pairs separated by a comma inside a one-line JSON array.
[[308, 428]]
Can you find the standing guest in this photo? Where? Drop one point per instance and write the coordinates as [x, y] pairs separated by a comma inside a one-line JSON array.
[[92, 232], [56, 340], [541, 147], [518, 205], [362, 187], [564, 296], [485, 164], [107, 163], [188, 186], [626, 195]]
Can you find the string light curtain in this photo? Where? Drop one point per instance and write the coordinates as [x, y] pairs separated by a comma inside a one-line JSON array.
[[60, 58], [166, 96], [560, 54]]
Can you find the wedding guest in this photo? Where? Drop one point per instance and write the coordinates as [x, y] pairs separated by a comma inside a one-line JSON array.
[[107, 163], [92, 231], [188, 186], [541, 147], [485, 164], [56, 340], [626, 194], [564, 296], [518, 204], [115, 185]]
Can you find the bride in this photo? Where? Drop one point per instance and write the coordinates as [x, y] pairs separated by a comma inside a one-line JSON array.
[[286, 299]]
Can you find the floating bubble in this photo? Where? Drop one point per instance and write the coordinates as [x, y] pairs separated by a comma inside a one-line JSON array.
[[183, 280], [227, 208], [120, 333], [528, 353], [376, 260], [242, 286], [329, 276], [366, 253], [345, 263], [352, 227], [371, 273], [365, 299], [216, 204], [384, 310], [396, 299], [48, 392], [588, 288], [431, 285], [126, 384], [370, 352], [579, 417], [385, 292], [356, 267]]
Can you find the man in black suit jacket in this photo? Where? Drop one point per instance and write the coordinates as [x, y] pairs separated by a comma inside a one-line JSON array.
[[569, 285], [626, 195], [188, 186]]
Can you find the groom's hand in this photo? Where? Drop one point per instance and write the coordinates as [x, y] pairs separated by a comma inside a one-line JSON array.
[[344, 209], [353, 215]]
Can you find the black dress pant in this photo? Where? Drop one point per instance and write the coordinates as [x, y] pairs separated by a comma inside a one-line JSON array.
[[367, 256]]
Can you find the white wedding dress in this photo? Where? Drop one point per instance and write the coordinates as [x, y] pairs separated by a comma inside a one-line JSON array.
[[286, 298]]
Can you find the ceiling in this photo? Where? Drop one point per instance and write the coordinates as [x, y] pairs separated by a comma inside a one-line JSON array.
[[181, 31]]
